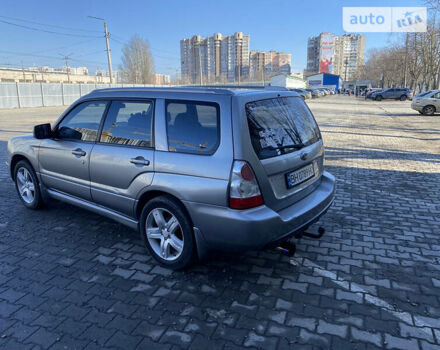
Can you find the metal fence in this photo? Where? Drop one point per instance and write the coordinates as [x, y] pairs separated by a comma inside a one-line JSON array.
[[21, 95]]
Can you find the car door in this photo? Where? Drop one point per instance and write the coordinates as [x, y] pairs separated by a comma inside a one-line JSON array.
[[389, 93], [122, 161], [64, 159], [436, 101]]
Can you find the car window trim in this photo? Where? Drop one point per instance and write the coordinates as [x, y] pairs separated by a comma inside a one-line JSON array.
[[128, 99], [104, 114], [206, 103]]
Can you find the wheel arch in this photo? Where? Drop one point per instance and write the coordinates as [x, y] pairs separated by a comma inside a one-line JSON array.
[[14, 160], [148, 195], [430, 105]]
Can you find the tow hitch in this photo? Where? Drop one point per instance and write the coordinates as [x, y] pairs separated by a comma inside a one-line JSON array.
[[288, 248], [321, 231]]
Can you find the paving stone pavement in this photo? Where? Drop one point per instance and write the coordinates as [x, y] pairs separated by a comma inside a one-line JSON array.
[[70, 279]]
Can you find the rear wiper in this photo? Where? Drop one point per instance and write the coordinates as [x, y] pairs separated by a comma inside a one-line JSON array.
[[296, 146]]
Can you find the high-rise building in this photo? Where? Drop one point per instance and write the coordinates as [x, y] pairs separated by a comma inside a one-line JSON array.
[[264, 65], [215, 59], [340, 55], [350, 55]]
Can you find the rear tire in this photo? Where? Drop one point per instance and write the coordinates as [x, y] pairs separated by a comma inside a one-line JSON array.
[[428, 110], [167, 233], [27, 185], [403, 98]]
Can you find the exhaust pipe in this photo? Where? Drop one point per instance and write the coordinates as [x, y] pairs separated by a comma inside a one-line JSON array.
[[286, 248]]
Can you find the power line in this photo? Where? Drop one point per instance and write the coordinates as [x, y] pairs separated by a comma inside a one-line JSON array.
[[47, 31], [49, 25], [65, 47], [48, 57]]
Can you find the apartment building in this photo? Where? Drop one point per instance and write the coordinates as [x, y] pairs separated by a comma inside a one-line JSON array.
[[162, 79], [349, 55], [215, 59], [264, 65], [340, 55]]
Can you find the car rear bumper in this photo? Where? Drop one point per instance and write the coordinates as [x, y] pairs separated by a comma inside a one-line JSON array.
[[223, 228]]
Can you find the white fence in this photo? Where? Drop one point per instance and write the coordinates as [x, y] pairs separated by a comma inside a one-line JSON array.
[[21, 95]]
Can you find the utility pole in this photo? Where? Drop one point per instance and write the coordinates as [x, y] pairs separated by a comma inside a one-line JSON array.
[[66, 59], [109, 57], [22, 69]]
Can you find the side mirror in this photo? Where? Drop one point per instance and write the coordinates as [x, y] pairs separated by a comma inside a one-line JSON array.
[[42, 131]]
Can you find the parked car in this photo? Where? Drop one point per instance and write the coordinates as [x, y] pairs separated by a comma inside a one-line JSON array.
[[320, 92], [303, 93], [427, 103], [401, 94], [370, 92], [314, 93], [193, 169], [324, 91]]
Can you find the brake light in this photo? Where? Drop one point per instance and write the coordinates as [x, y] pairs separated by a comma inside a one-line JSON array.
[[417, 101], [244, 192]]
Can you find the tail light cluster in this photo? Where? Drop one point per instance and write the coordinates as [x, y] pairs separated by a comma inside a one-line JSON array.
[[244, 192]]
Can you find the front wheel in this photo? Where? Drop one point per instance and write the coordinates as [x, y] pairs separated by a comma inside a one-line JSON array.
[[26, 184], [167, 233], [403, 98], [379, 98]]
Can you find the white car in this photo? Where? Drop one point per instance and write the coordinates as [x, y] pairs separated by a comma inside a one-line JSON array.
[[427, 102]]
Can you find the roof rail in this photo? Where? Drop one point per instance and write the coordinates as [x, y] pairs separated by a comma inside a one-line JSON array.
[[260, 87]]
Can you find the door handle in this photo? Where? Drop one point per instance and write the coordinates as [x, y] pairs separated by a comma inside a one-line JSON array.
[[140, 161], [79, 152]]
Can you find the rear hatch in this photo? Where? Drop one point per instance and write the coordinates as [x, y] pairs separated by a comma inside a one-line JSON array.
[[288, 147]]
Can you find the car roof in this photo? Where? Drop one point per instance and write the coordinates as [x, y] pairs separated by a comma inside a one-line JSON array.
[[166, 91]]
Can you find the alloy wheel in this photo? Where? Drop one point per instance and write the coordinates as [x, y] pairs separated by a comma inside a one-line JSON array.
[[26, 186], [164, 233]]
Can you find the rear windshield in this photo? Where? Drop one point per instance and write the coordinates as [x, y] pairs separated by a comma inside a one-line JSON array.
[[424, 93], [280, 125]]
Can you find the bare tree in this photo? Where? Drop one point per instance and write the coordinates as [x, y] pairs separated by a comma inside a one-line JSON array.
[[420, 51], [137, 62]]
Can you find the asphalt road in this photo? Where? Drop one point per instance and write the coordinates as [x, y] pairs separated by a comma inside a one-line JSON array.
[[73, 279]]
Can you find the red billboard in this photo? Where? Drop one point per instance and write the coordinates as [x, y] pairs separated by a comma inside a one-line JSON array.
[[327, 51]]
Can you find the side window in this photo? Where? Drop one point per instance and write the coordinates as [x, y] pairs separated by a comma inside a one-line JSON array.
[[82, 123], [437, 95], [193, 127], [129, 123]]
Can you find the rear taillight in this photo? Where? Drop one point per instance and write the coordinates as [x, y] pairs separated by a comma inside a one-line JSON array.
[[244, 192], [417, 101]]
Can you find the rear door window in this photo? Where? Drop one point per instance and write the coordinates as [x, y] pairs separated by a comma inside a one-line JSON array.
[[280, 125], [193, 127]]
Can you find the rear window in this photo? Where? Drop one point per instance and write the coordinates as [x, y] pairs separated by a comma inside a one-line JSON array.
[[424, 93], [280, 125], [193, 127]]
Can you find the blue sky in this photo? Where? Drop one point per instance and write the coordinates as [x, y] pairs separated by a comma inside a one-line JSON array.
[[280, 25]]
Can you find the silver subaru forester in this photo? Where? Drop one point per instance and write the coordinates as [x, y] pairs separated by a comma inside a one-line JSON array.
[[193, 169]]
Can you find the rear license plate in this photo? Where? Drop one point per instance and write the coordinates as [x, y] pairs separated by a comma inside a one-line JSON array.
[[297, 177]]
